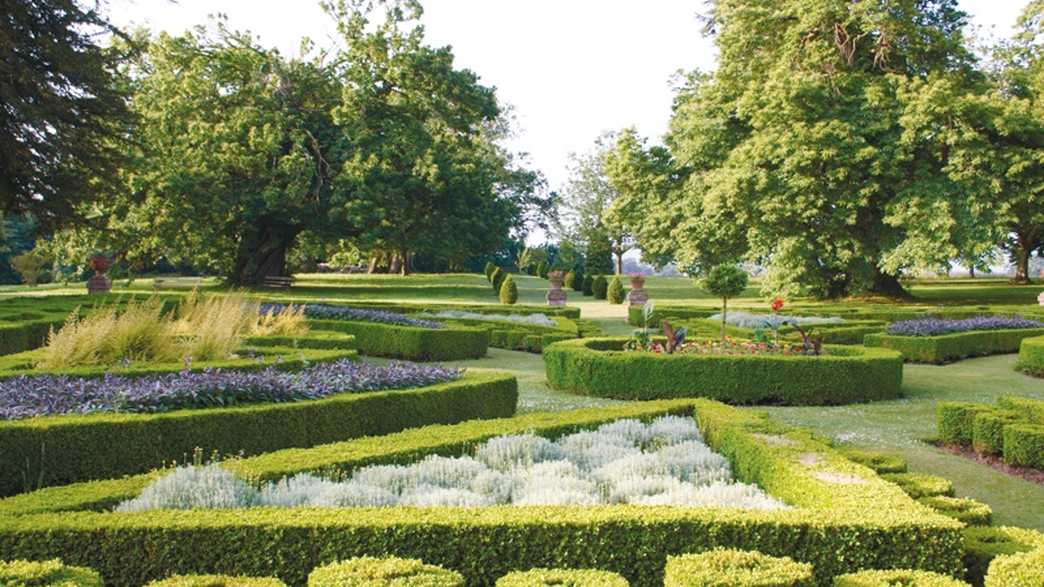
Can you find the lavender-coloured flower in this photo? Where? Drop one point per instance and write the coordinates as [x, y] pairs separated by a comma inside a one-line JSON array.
[[937, 326], [40, 395], [331, 312]]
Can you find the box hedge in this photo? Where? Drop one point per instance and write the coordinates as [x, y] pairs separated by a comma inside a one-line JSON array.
[[897, 578], [982, 544], [946, 348], [842, 518], [988, 430], [56, 450], [962, 509], [1031, 409], [1031, 356], [1017, 570], [1024, 445], [452, 343], [216, 581], [48, 573], [955, 421], [597, 366], [878, 461], [736, 568], [919, 484], [562, 578], [383, 572]]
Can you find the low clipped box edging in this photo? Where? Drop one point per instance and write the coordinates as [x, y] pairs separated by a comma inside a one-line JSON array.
[[452, 343], [736, 568], [953, 347], [597, 367], [55, 450], [982, 544], [1031, 356], [1017, 570], [383, 572], [892, 578], [562, 578], [216, 581], [842, 518], [47, 573]]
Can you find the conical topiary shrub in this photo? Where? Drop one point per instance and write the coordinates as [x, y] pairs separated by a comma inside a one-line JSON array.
[[508, 291], [489, 271], [569, 280], [497, 279], [588, 286], [578, 279], [616, 294], [600, 287]]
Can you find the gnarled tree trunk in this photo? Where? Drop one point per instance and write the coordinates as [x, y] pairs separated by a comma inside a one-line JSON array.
[[262, 253]]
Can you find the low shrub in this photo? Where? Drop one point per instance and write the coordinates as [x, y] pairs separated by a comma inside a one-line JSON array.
[[1024, 445], [383, 572], [597, 366], [411, 343], [569, 280], [955, 420], [1031, 356], [736, 568], [600, 287], [490, 267], [498, 279], [616, 294], [962, 509], [588, 285], [945, 348], [982, 544], [26, 335], [897, 578], [1017, 570], [988, 430], [508, 291], [878, 461], [562, 578], [542, 269], [1031, 409], [216, 581], [50, 573], [920, 485], [56, 450]]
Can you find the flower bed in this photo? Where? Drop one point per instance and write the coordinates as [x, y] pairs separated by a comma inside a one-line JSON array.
[[945, 348], [937, 326], [521, 319], [597, 366], [664, 462], [841, 518], [1031, 356], [53, 450], [331, 312], [47, 395], [752, 321]]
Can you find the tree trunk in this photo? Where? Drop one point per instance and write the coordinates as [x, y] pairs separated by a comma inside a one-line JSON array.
[[619, 262], [888, 286], [971, 271], [1021, 253], [405, 256], [262, 253], [395, 265]]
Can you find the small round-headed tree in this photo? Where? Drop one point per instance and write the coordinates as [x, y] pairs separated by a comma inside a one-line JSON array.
[[588, 286], [600, 287], [724, 281], [508, 291], [616, 293]]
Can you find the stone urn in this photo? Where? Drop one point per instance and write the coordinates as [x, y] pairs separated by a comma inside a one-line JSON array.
[[556, 296], [637, 296], [99, 283]]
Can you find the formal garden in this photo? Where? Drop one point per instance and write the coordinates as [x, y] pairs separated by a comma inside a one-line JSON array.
[[274, 320]]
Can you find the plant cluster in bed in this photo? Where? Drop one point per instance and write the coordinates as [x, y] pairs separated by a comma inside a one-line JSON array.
[[527, 320], [772, 321], [939, 326], [664, 462], [728, 347], [331, 312], [41, 395]]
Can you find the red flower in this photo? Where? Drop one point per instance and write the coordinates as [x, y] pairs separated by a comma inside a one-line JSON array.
[[777, 304]]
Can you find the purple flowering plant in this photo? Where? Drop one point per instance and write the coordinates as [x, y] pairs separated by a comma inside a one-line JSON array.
[[41, 395], [937, 326], [331, 312]]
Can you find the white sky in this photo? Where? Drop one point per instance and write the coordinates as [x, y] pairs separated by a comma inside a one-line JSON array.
[[572, 68]]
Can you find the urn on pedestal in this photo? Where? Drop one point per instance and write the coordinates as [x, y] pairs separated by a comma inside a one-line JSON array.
[[637, 296], [99, 283], [556, 296]]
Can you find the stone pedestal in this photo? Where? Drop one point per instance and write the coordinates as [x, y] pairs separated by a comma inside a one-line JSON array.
[[637, 296], [99, 283], [556, 296], [1040, 298]]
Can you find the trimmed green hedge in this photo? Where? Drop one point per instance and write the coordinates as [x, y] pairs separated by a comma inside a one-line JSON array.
[[955, 421], [1017, 570], [216, 581], [878, 461], [597, 366], [1029, 408], [313, 340], [952, 347], [897, 578], [49, 573], [24, 336], [736, 568], [920, 485], [842, 518], [562, 578], [1024, 445], [383, 572], [988, 430], [982, 544], [56, 450], [962, 509], [1031, 356], [410, 342]]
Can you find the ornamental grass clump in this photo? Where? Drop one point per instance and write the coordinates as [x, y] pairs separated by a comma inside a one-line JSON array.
[[43, 395], [939, 326], [141, 331], [624, 462], [290, 321], [213, 327]]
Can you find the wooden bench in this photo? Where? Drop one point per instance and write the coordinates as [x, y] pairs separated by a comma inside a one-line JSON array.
[[160, 283], [278, 281]]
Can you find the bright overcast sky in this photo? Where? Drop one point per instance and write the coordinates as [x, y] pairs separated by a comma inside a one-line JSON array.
[[572, 68]]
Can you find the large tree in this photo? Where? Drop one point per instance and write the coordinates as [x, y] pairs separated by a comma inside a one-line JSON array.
[[63, 115], [809, 149]]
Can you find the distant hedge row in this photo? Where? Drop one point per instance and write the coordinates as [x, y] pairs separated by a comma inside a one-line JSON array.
[[952, 347], [1014, 428], [843, 518], [56, 450], [451, 343], [598, 366]]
